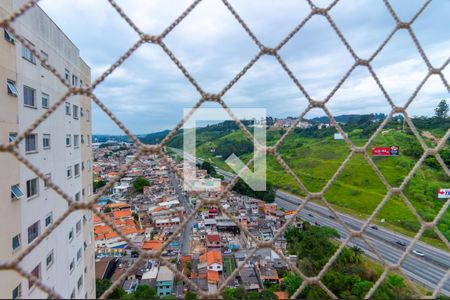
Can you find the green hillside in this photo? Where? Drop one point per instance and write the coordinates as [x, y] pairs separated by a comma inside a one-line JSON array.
[[314, 156]]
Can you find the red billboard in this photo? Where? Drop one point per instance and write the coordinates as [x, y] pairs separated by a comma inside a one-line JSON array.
[[385, 151]]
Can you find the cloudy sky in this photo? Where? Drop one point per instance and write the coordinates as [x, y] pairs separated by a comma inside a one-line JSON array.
[[148, 92]]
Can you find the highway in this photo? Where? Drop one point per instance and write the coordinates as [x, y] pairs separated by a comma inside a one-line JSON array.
[[427, 270]]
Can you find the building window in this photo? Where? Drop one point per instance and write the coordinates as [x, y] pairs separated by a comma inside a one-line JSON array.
[[74, 80], [81, 83], [76, 142], [71, 235], [80, 281], [82, 166], [79, 254], [46, 141], [68, 108], [48, 177], [67, 75], [87, 115], [16, 192], [36, 273], [27, 54], [29, 96], [33, 232], [77, 197], [12, 137], [78, 227], [82, 139], [17, 292], [72, 265], [50, 259], [31, 143], [16, 242], [76, 170], [75, 111], [9, 37], [11, 87], [81, 112], [82, 192], [49, 219], [45, 100], [68, 140], [32, 187], [44, 57], [88, 139], [69, 172]]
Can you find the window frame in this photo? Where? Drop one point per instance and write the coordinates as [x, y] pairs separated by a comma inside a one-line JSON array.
[[52, 255], [16, 194], [68, 140], [19, 292], [19, 241], [27, 54], [31, 285], [47, 176], [47, 98], [69, 172], [37, 234], [9, 37], [75, 111], [27, 141], [46, 136], [49, 215], [12, 88], [30, 188], [33, 93], [68, 110]]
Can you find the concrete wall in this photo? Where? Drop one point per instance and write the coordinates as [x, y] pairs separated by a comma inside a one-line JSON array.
[[38, 28]]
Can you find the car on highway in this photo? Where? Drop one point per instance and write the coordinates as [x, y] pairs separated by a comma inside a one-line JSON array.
[[418, 253], [331, 217], [374, 227], [401, 243], [311, 215]]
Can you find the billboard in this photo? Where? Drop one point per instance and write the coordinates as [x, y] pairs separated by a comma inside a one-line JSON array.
[[386, 151], [443, 193]]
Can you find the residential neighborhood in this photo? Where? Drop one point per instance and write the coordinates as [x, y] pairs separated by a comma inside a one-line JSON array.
[[148, 205]]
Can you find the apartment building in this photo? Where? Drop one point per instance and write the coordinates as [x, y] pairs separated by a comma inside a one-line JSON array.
[[60, 147]]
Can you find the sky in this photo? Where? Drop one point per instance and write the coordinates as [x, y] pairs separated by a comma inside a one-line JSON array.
[[148, 93]]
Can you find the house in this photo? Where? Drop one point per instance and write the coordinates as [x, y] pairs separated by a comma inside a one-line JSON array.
[[249, 279], [130, 285], [268, 273], [152, 245], [213, 260], [164, 282], [213, 241]]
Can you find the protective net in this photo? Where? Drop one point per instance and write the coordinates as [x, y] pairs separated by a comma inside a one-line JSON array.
[[159, 40]]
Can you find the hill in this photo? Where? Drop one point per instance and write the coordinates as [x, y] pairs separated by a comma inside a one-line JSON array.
[[314, 156]]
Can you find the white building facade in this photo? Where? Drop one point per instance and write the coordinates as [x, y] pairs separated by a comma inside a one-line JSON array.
[[60, 147]]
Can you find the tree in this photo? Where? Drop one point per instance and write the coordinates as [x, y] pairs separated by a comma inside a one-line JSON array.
[[98, 184], [267, 295], [190, 295], [145, 292], [291, 283], [229, 294], [442, 110], [101, 285], [240, 292], [107, 210], [139, 184]]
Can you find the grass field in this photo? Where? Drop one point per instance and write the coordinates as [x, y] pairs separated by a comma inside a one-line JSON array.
[[357, 190]]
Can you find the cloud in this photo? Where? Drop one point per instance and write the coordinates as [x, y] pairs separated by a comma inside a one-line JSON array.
[[149, 92]]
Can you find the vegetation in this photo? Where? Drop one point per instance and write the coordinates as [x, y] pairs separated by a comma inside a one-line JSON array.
[[314, 156], [351, 276], [241, 293], [210, 169], [98, 184], [101, 285], [268, 195], [139, 184], [142, 292]]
